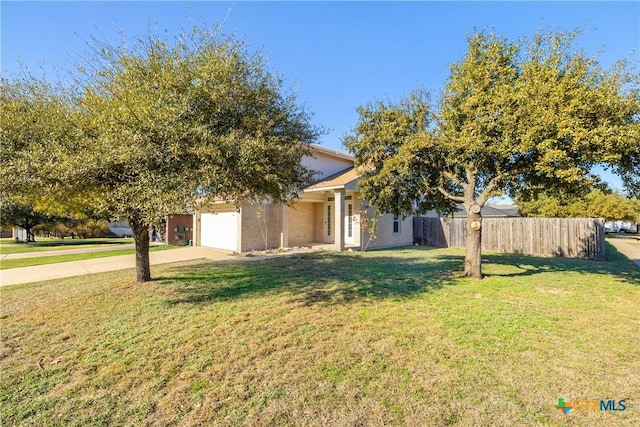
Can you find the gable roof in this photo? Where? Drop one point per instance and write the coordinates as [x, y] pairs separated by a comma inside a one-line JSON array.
[[346, 179], [334, 153]]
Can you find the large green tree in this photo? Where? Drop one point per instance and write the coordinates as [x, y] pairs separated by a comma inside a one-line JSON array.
[[514, 116], [163, 125]]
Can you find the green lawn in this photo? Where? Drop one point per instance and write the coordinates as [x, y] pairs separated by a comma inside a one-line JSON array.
[[330, 339], [41, 260], [8, 246]]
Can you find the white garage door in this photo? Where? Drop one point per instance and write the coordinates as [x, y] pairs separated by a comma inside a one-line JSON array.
[[219, 230]]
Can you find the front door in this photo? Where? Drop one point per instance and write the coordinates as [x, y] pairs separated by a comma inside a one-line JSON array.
[[348, 224], [329, 221]]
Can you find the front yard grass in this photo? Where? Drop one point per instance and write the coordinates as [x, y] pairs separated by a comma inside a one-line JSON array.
[[8, 246], [41, 260], [391, 337]]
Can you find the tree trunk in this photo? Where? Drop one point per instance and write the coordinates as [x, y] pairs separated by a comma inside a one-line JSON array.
[[27, 229], [141, 236], [473, 257]]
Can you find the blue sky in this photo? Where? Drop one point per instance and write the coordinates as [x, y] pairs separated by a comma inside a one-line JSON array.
[[334, 55]]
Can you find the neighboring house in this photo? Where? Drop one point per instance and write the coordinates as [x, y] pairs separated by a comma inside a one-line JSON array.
[[179, 229], [121, 229], [492, 211], [14, 233], [329, 212]]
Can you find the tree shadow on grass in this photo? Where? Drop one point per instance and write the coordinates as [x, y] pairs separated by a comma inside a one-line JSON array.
[[310, 279], [616, 265]]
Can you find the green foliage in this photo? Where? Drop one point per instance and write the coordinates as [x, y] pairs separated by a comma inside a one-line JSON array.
[[202, 118], [596, 204], [391, 143], [36, 125], [629, 168], [513, 117], [519, 117], [156, 127]]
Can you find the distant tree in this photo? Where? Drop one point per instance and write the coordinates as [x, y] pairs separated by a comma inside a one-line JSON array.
[[87, 228], [595, 204], [513, 117], [23, 216]]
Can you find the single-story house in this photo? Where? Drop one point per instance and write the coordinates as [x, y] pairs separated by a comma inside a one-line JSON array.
[[329, 213]]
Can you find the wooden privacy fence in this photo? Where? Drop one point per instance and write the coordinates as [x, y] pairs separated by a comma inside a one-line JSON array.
[[563, 237]]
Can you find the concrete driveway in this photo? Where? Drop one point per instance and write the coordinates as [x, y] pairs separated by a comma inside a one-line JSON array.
[[15, 276]]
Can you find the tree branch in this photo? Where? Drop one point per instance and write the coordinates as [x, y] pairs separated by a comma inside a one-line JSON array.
[[470, 188], [451, 196], [453, 178], [493, 184]]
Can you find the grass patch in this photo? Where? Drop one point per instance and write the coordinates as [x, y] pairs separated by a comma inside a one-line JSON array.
[[8, 246], [41, 260], [381, 338]]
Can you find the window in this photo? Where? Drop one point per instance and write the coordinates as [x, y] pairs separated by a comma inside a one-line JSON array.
[[396, 224], [328, 220], [349, 220]]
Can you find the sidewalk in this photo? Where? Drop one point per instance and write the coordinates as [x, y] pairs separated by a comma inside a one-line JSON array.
[[15, 276], [627, 249]]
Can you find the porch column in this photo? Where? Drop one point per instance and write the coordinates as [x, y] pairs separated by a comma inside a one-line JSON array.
[[284, 226], [339, 222], [195, 230]]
